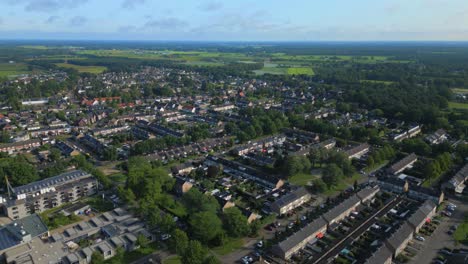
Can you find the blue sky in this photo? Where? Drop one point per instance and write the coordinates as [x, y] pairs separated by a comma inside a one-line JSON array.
[[232, 20]]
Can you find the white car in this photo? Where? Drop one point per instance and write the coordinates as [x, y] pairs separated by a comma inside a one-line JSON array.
[[260, 244], [420, 238]]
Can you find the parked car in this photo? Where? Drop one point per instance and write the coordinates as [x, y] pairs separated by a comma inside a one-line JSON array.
[[420, 238], [446, 252], [447, 213], [452, 205], [259, 244], [165, 237]]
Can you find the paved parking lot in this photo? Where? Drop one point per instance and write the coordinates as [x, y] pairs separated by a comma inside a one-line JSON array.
[[440, 238]]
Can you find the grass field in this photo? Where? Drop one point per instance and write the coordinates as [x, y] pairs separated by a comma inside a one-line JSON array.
[[270, 70], [299, 71], [172, 260], [342, 185], [377, 81], [461, 234], [460, 90], [231, 245], [79, 68], [12, 69], [456, 105], [302, 179]]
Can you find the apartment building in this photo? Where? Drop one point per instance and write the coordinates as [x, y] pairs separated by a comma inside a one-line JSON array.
[[45, 194]]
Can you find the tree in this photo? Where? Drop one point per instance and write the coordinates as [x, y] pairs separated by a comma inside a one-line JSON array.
[[319, 185], [110, 153], [194, 254], [118, 257], [205, 226], [97, 258], [54, 154], [195, 201], [180, 242], [213, 171], [370, 162], [212, 260], [332, 174], [5, 137], [142, 241], [235, 223]]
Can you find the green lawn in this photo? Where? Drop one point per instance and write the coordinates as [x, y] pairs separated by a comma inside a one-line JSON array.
[[231, 245], [118, 177], [302, 179], [456, 105], [461, 234], [342, 185], [376, 166], [141, 252], [99, 204], [172, 260], [79, 68]]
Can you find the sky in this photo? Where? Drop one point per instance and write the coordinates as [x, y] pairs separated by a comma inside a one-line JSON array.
[[235, 20]]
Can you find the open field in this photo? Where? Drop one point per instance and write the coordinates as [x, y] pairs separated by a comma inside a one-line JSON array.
[[377, 81], [12, 69], [172, 260], [230, 245], [460, 90], [79, 68], [456, 105], [298, 71]]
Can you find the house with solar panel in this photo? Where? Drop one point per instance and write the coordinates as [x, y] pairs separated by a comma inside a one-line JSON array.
[[48, 193]]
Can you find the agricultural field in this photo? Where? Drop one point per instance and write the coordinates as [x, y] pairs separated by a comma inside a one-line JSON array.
[[377, 81], [460, 90], [298, 71], [79, 68], [13, 69]]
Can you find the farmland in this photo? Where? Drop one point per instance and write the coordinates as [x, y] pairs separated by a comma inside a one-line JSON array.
[[12, 69], [79, 68]]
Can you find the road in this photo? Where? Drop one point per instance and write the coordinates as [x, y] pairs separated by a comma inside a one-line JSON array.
[[440, 238]]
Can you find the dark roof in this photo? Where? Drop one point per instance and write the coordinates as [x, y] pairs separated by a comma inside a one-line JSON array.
[[51, 182], [422, 213], [291, 197], [300, 235], [460, 176], [341, 208], [380, 256], [400, 235], [403, 163], [12, 233], [356, 149], [367, 192]]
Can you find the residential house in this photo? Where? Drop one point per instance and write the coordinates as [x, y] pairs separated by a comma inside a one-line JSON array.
[[403, 164], [290, 201], [356, 152], [457, 182], [437, 137]]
